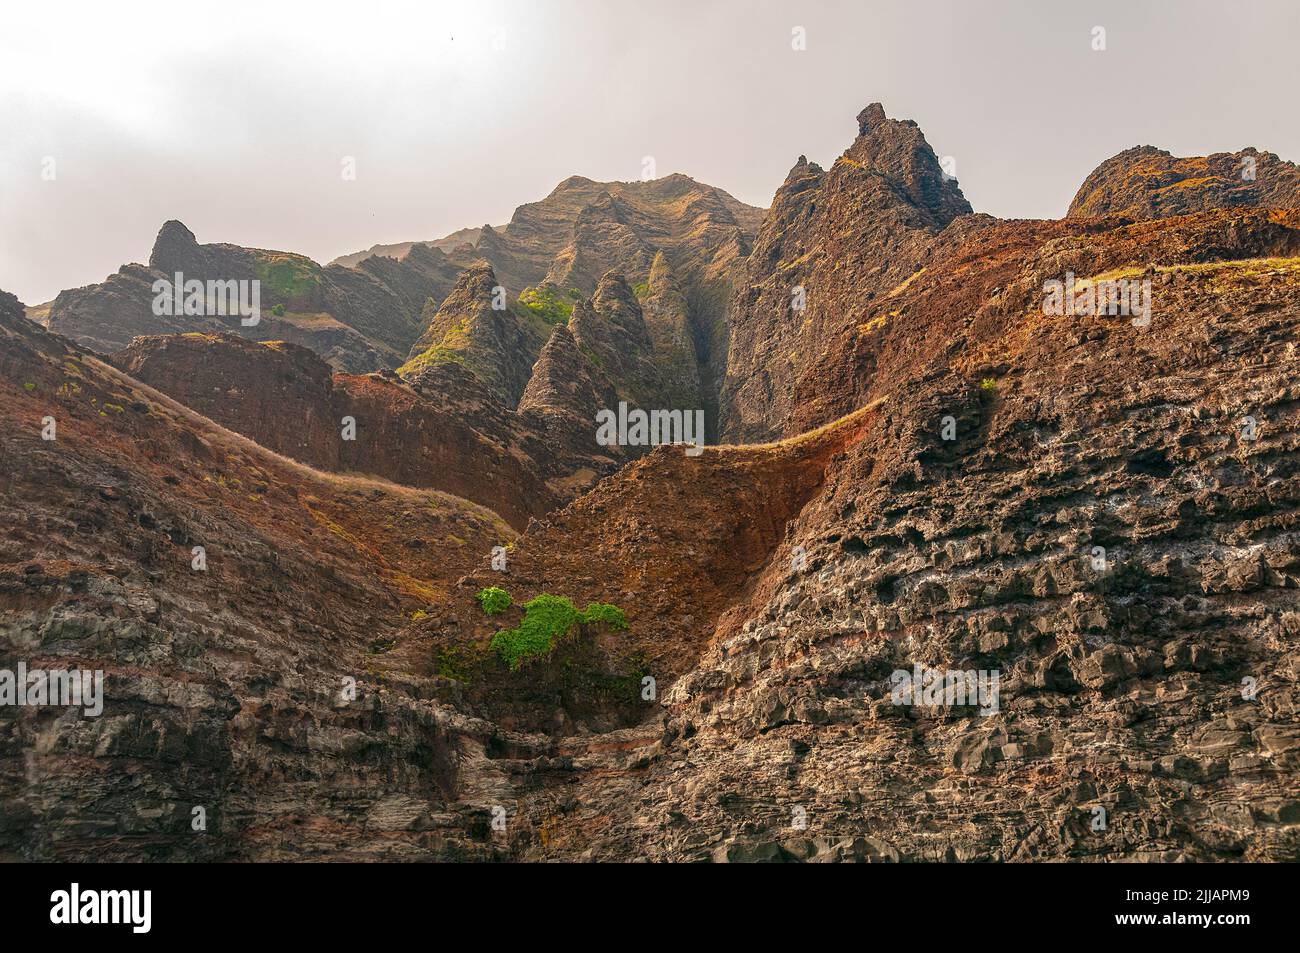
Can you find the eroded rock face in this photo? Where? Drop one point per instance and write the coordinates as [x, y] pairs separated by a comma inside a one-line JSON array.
[[224, 688], [288, 400], [1128, 685], [695, 233], [611, 331], [562, 382], [1096, 507], [1146, 182], [833, 242], [476, 327]]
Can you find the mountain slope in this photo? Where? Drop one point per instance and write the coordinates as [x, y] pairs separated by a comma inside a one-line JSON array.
[[1100, 509], [223, 686]]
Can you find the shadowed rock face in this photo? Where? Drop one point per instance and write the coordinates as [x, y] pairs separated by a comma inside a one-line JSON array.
[[351, 318], [832, 243], [476, 327], [1145, 182], [1099, 512], [289, 401], [562, 381], [611, 330]]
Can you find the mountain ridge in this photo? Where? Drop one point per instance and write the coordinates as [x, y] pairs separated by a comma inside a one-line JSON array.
[[925, 466]]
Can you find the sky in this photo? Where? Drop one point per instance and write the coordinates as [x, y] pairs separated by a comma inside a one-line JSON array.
[[240, 119]]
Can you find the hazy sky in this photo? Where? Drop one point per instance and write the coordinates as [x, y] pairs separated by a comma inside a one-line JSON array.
[[235, 117]]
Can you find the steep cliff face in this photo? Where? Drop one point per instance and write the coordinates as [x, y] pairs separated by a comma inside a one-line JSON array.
[[597, 354], [685, 379], [611, 332], [1151, 679], [566, 243], [833, 242], [562, 382], [1145, 182]]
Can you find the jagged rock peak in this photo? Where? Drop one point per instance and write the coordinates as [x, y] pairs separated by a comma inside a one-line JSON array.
[[561, 380], [172, 238], [801, 171], [173, 230], [613, 289], [870, 117], [897, 149], [489, 240], [478, 276]]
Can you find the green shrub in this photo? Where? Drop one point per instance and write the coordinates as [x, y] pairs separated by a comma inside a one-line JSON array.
[[989, 383], [289, 276], [548, 303], [453, 663], [277, 310], [604, 612], [494, 600], [546, 619]]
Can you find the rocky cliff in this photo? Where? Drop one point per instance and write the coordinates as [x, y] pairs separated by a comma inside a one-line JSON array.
[[235, 602], [1055, 460], [834, 243], [554, 253], [1145, 182]]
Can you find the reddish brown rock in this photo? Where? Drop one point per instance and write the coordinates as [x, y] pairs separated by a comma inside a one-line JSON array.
[[1146, 182], [289, 401]]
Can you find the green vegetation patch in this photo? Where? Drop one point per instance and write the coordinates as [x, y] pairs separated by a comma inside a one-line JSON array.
[[546, 619], [494, 599], [604, 612], [290, 276], [548, 303], [438, 354]]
